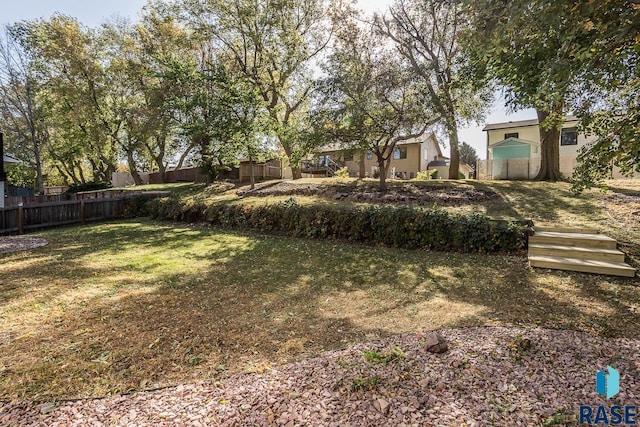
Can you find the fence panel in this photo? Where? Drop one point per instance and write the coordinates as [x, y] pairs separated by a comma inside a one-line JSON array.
[[9, 220], [53, 214], [101, 210]]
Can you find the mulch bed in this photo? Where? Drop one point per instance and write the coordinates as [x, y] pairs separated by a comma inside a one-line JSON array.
[[20, 243], [446, 195], [489, 376]]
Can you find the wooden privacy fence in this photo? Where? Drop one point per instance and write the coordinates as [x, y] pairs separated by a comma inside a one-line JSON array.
[[20, 219]]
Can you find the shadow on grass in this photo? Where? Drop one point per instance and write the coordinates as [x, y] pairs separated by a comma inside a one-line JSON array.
[[548, 202], [119, 307]]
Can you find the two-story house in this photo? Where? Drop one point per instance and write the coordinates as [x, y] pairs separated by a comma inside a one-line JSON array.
[[513, 148]]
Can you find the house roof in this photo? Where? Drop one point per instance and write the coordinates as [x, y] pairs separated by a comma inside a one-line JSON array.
[[7, 159], [438, 163], [505, 141], [417, 140], [521, 123], [466, 166]]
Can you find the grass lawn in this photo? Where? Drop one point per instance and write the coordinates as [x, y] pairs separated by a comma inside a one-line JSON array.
[[117, 307]]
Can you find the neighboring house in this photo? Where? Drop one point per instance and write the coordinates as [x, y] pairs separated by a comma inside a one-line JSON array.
[[409, 157], [513, 148]]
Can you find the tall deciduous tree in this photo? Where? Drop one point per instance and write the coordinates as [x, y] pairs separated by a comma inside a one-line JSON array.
[[468, 155], [426, 34], [21, 116], [552, 56], [372, 102], [79, 96], [273, 45]]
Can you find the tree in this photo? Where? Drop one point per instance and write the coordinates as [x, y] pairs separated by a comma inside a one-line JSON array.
[[513, 45], [426, 34], [21, 115], [371, 101], [79, 97], [273, 45], [468, 155], [557, 57]]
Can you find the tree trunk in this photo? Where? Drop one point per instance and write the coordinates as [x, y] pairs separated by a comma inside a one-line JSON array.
[[362, 172], [184, 156], [251, 176], [454, 153], [39, 178], [295, 169], [133, 169], [382, 169], [549, 151]]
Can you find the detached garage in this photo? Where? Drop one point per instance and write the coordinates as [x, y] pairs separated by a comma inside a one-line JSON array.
[[511, 159]]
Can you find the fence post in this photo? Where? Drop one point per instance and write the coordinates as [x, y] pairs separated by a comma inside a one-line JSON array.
[[20, 219], [82, 211]]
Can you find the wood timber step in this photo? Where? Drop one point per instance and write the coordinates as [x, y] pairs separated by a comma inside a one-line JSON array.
[[583, 230], [582, 265], [579, 252], [573, 239]]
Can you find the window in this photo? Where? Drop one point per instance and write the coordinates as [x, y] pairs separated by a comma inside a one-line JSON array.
[[569, 136], [324, 160], [511, 135], [348, 157], [400, 153], [369, 155]]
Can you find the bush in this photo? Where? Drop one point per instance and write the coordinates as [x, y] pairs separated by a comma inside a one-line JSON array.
[[342, 173], [426, 175], [397, 226], [137, 206], [88, 186]]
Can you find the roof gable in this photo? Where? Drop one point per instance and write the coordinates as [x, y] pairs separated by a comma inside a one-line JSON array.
[[512, 142], [521, 123]]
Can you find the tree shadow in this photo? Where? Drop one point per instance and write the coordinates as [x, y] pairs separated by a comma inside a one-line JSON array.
[[120, 317]]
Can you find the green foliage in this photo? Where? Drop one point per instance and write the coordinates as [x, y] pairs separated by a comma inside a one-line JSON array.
[[426, 175], [21, 175], [371, 99], [342, 173], [468, 154], [88, 186], [137, 206], [397, 226], [366, 383], [373, 356]]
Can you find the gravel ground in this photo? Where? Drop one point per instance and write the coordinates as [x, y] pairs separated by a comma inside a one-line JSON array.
[[490, 376], [20, 243]]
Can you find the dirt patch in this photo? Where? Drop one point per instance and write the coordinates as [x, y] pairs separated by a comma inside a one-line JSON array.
[[408, 193], [488, 377], [20, 243]]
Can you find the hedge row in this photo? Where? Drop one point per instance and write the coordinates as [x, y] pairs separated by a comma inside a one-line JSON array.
[[398, 226]]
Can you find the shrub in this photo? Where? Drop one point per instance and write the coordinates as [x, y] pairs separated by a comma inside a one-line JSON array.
[[397, 226], [342, 173], [426, 175], [137, 206], [88, 186]]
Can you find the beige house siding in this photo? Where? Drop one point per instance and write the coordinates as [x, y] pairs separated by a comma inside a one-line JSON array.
[[409, 166], [420, 152]]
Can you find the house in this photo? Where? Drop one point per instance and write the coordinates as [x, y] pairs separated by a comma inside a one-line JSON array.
[[409, 157], [513, 148]]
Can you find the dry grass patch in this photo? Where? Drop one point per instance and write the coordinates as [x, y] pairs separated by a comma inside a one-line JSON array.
[[119, 307]]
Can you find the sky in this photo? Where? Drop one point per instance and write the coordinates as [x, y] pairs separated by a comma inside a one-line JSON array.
[[91, 13]]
